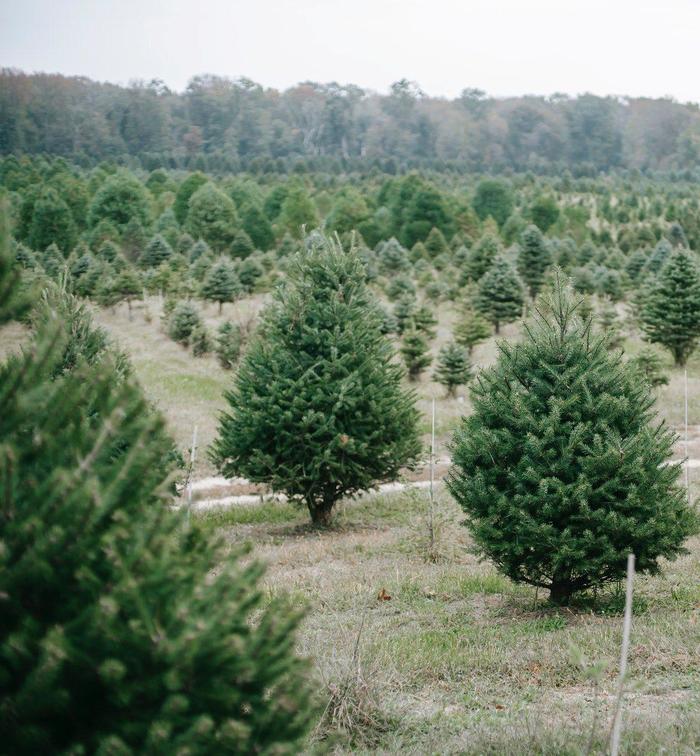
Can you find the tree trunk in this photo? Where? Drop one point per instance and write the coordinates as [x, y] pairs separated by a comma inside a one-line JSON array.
[[497, 327], [321, 513], [560, 592], [221, 306]]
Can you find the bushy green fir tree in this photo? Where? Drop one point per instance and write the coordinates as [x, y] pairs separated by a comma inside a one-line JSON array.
[[200, 340], [182, 321], [669, 309], [221, 283], [122, 630], [561, 468], [157, 251], [453, 368], [472, 328], [650, 366], [415, 352], [317, 409], [242, 246], [500, 295], [482, 256], [229, 342], [534, 259]]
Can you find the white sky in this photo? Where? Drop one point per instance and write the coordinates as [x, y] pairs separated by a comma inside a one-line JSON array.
[[635, 47]]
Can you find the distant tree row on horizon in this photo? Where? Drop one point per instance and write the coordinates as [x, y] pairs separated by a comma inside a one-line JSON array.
[[222, 124]]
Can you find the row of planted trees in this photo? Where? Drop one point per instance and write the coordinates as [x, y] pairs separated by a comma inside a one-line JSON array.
[[123, 628]]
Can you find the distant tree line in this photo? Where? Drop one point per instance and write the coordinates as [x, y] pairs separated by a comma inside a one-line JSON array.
[[221, 124]]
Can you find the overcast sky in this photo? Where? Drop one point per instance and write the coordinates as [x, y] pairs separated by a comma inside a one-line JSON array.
[[635, 47]]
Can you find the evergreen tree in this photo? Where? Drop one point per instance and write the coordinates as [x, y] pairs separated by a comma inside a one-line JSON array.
[[453, 368], [481, 257], [534, 259], [415, 352], [298, 212], [52, 223], [212, 216], [670, 306], [157, 251], [404, 310], [200, 340], [128, 286], [221, 283], [658, 257], [500, 295], [250, 271], [53, 262], [182, 322], [185, 191], [493, 198], [436, 244], [121, 630], [229, 341], [471, 329], [242, 246], [560, 468], [199, 249], [544, 212], [317, 409], [121, 198], [649, 365], [258, 227]]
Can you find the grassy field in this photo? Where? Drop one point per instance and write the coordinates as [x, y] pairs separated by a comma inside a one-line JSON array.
[[458, 659]]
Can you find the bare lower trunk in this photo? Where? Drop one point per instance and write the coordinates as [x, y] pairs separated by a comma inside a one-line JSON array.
[[321, 513], [560, 592]]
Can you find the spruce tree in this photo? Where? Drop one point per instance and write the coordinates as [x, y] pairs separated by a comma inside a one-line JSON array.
[[229, 341], [453, 368], [182, 322], [128, 286], [650, 367], [482, 256], [157, 251], [500, 295], [221, 283], [212, 216], [121, 629], [472, 328], [670, 306], [242, 246], [200, 340], [561, 468], [415, 352], [534, 259], [317, 409]]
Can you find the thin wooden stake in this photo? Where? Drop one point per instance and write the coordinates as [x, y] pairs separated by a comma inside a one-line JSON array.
[[626, 629], [687, 461], [193, 456], [431, 525]]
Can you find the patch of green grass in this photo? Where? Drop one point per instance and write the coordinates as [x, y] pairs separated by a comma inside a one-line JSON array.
[[269, 512]]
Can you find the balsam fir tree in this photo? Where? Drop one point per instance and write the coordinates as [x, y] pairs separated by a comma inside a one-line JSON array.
[[157, 251], [453, 368], [229, 341], [561, 468], [201, 341], [182, 322], [121, 629], [500, 295], [670, 306], [534, 259], [221, 283], [471, 329], [650, 367], [317, 409], [415, 352]]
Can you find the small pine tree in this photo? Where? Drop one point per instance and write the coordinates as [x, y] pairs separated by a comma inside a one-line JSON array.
[[241, 246], [404, 310], [229, 342], [534, 259], [424, 320], [182, 322], [317, 409], [649, 365], [482, 256], [221, 283], [560, 469], [128, 286], [200, 340], [471, 329], [453, 368], [157, 251], [670, 306], [436, 244], [415, 352], [500, 295]]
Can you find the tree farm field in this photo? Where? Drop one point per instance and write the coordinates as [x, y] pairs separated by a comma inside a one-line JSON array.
[[421, 648]]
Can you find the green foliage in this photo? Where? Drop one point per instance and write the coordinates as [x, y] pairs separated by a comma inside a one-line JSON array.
[[200, 340], [229, 342], [182, 322], [221, 283], [121, 198], [453, 368], [122, 630], [534, 259], [212, 216], [500, 295], [157, 251], [472, 328], [483, 254], [52, 223], [493, 198], [649, 365], [320, 370], [258, 227], [241, 246], [415, 352], [670, 307], [187, 188], [544, 212], [560, 468], [298, 212]]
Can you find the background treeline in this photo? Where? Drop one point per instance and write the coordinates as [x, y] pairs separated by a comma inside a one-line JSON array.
[[220, 124]]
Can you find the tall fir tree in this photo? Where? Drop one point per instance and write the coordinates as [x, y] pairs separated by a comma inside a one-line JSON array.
[[669, 308], [221, 283], [317, 409], [453, 368], [121, 629], [471, 329], [415, 352], [561, 468], [500, 294], [157, 251], [534, 259]]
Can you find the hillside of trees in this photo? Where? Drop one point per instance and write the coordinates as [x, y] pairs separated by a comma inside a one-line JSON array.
[[220, 124]]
